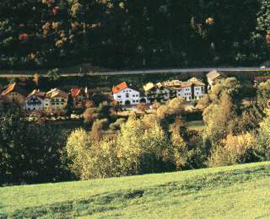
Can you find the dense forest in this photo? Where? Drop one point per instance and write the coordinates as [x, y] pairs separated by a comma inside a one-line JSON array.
[[121, 34]]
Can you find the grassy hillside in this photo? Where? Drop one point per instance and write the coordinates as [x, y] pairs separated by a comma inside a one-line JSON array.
[[230, 192]]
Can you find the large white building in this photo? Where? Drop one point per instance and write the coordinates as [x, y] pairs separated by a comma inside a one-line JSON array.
[[126, 95]]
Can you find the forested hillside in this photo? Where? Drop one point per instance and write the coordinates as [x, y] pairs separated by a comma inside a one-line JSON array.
[[133, 34]]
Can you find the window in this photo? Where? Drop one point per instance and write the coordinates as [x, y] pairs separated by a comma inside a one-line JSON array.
[[127, 95], [133, 95], [137, 95], [119, 96], [133, 101], [120, 101]]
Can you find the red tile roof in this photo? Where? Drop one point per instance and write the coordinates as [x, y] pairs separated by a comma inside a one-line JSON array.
[[119, 87], [75, 92]]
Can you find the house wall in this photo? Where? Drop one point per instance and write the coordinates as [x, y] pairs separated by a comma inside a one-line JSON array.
[[199, 91], [159, 95], [185, 93], [34, 103], [56, 104], [126, 96]]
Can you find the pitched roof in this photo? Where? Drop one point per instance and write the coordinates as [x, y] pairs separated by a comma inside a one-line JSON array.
[[174, 84], [56, 93], [214, 74], [13, 88], [75, 91], [119, 87], [37, 93], [148, 86], [196, 81]]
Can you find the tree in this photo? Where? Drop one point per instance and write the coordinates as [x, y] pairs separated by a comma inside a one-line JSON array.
[[220, 119], [234, 150], [263, 142], [30, 153], [263, 95]]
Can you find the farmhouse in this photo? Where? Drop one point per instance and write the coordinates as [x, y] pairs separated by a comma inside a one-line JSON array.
[[126, 95], [55, 101], [197, 88], [214, 77], [35, 101], [160, 92], [14, 94], [78, 96]]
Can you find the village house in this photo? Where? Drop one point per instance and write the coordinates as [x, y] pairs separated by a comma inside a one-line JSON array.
[[193, 89], [78, 96], [35, 101], [160, 92], [14, 94], [126, 95], [214, 77], [55, 101], [197, 88]]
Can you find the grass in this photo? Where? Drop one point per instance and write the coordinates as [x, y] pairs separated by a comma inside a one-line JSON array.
[[240, 191], [196, 125]]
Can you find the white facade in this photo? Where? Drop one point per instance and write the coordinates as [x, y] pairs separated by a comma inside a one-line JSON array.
[[191, 93], [198, 92], [34, 103], [127, 96], [185, 93]]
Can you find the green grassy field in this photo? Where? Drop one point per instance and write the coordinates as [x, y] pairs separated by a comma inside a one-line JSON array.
[[241, 191]]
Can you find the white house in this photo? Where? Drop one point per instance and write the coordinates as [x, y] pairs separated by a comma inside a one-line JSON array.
[[197, 88], [35, 101], [126, 95]]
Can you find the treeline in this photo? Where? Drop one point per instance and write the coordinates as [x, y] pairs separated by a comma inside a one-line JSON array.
[[133, 34]]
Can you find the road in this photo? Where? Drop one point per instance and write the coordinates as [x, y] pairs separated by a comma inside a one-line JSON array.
[[13, 74]]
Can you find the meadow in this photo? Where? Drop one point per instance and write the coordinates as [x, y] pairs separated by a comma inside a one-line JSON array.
[[240, 191]]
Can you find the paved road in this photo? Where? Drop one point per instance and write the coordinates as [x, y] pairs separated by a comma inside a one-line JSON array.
[[137, 72]]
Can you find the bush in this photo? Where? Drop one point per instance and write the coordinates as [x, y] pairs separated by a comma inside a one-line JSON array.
[[235, 149]]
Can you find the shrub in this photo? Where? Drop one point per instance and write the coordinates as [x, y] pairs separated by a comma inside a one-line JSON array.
[[235, 149]]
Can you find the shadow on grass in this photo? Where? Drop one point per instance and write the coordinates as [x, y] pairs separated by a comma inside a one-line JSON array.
[[121, 199]]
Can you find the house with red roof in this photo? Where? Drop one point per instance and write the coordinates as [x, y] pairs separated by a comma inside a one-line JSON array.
[[78, 96], [126, 95]]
